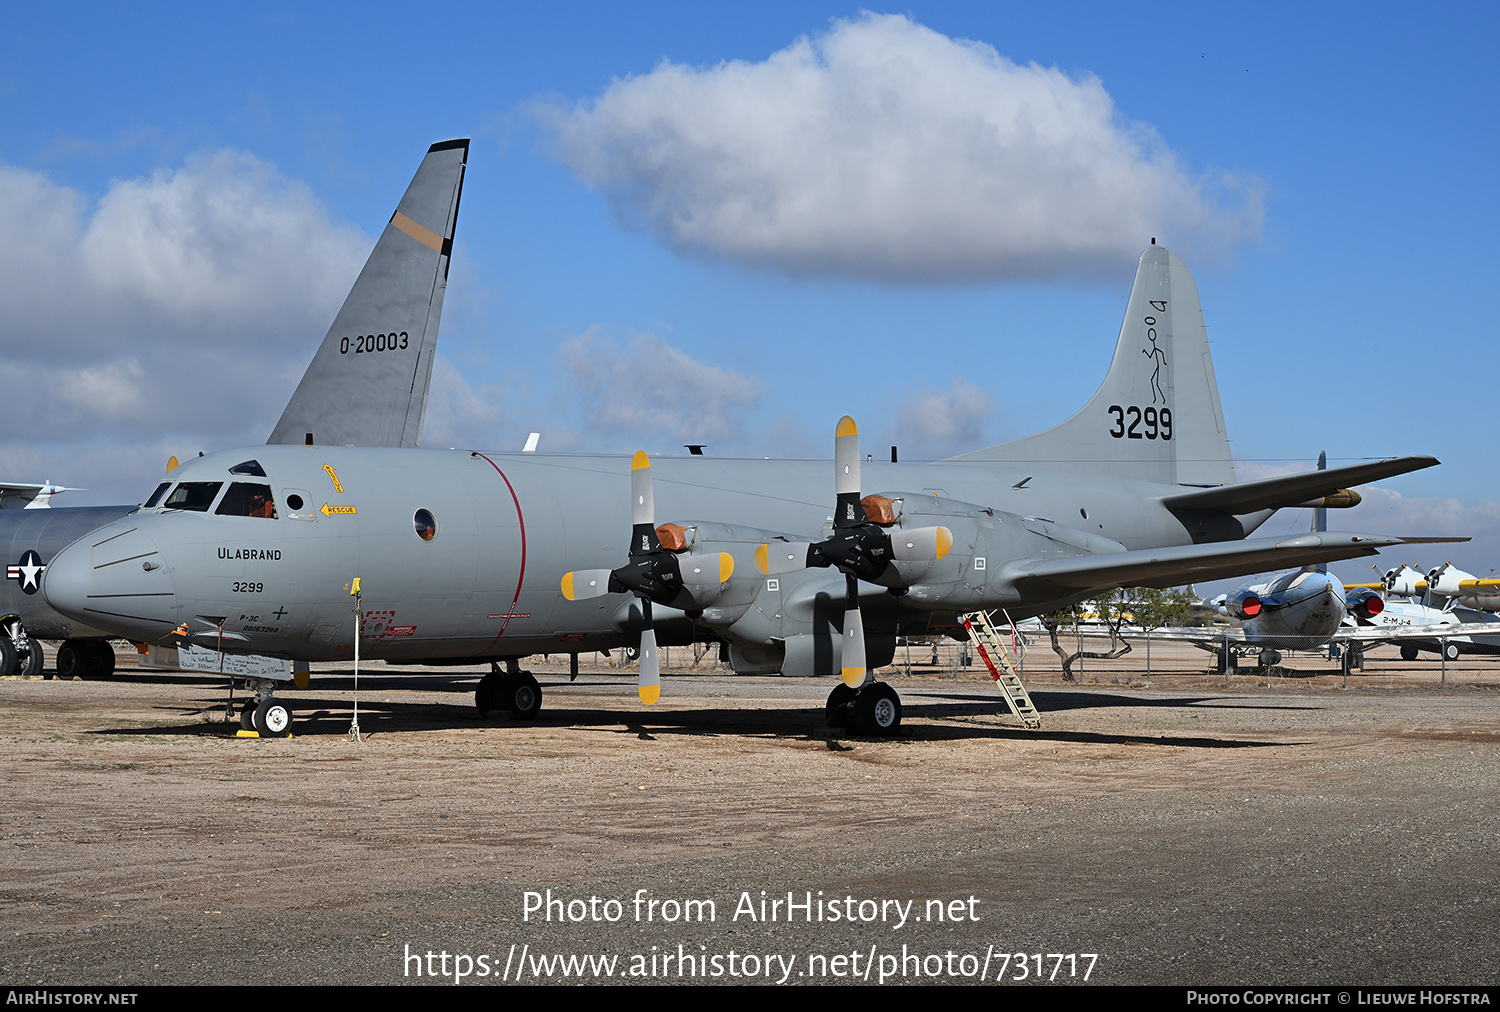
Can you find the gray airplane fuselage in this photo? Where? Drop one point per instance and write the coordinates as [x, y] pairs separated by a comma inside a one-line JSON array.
[[29, 541], [1299, 611], [508, 526]]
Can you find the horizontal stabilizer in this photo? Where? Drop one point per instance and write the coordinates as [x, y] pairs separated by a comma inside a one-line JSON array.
[[1291, 489], [1171, 567]]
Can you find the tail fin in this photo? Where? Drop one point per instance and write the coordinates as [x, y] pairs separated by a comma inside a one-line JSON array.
[[1320, 515], [367, 384], [1157, 416]]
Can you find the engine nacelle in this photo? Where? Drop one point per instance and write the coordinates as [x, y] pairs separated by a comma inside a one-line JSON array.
[[1241, 605], [1364, 603], [1445, 581], [1402, 582]]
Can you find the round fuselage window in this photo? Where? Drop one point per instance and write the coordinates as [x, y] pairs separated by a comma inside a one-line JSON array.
[[425, 524]]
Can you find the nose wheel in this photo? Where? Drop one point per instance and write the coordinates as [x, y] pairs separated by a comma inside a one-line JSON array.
[[266, 715]]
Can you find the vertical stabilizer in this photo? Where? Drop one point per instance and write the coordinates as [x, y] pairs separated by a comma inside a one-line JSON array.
[[367, 384], [1157, 416]]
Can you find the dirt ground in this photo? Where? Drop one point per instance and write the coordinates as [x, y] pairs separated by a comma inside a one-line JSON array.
[[1170, 830]]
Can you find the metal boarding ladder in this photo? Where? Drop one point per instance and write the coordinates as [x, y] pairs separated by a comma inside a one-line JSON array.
[[990, 647]]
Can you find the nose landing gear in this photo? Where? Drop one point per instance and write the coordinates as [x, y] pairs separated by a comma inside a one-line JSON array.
[[266, 715]]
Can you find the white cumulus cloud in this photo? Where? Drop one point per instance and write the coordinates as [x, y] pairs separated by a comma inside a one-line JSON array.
[[938, 423], [651, 388], [884, 150], [177, 309]]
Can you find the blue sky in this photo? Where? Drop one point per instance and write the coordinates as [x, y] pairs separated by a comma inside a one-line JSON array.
[[741, 204]]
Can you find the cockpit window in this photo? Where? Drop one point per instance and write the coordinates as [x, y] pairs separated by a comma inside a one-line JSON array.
[[246, 500], [161, 490], [251, 467], [197, 496]]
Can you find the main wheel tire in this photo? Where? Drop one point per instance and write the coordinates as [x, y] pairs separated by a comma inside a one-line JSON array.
[[32, 665], [104, 658], [73, 659], [1450, 651], [488, 695], [1409, 651], [9, 658], [526, 697], [247, 716], [839, 701], [273, 719], [877, 711]]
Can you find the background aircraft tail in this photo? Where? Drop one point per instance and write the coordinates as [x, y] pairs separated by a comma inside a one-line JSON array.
[[1157, 416], [367, 384]]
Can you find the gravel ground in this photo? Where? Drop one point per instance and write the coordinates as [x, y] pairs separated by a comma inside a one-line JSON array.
[[1277, 830]]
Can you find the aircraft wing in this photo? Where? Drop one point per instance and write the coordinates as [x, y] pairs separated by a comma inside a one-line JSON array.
[[19, 490], [1204, 636], [1291, 489], [1171, 567], [1379, 634]]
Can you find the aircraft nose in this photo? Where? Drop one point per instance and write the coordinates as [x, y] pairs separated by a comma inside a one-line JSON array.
[[113, 579]]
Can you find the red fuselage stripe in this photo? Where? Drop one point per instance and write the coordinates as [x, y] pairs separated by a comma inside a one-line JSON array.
[[522, 576]]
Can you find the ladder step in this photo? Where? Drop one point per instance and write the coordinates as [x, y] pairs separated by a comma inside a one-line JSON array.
[[992, 649]]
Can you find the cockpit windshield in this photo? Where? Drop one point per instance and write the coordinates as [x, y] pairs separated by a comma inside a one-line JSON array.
[[161, 490], [197, 496], [247, 500]]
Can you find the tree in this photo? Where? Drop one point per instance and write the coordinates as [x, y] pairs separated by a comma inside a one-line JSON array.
[[1110, 607], [1155, 607]]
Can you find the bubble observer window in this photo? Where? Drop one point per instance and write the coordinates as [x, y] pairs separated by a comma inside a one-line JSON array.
[[426, 526]]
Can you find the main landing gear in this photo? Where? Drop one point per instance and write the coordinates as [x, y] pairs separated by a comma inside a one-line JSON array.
[[872, 711], [85, 659], [1353, 659], [515, 690], [20, 653]]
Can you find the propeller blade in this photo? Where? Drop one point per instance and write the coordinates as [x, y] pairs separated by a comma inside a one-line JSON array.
[[648, 687], [782, 557], [642, 503], [848, 512], [706, 570], [921, 544], [582, 584], [643, 537], [854, 638]]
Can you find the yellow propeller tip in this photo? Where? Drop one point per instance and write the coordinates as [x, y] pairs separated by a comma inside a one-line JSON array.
[[944, 542], [726, 567], [762, 560], [853, 677], [846, 427], [567, 586], [649, 693], [640, 460]]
